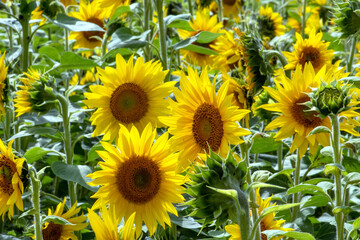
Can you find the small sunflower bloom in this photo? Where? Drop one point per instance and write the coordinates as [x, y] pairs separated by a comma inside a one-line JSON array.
[[131, 94], [138, 175], [52, 230], [270, 23]]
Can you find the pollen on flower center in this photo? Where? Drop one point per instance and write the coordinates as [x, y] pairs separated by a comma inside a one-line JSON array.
[[310, 54], [129, 103], [52, 231], [138, 179], [301, 114], [207, 127], [89, 35], [7, 170]]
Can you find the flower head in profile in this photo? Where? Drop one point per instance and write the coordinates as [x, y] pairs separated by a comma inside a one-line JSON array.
[[11, 184], [131, 94], [53, 230], [270, 23], [139, 176]]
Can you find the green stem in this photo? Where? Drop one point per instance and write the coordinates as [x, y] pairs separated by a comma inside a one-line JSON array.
[[191, 11], [36, 186], [303, 20], [64, 104], [242, 210], [297, 196], [280, 157], [104, 45], [162, 33], [66, 40], [273, 53], [2, 225], [220, 10], [8, 120], [352, 52], [335, 144], [25, 41], [173, 231], [147, 14]]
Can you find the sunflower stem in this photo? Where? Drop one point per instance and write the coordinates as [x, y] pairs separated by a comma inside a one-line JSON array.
[[162, 33], [273, 53], [280, 157], [36, 186], [25, 41], [191, 11], [303, 20], [64, 104], [147, 14], [352, 52], [297, 196], [173, 231], [335, 144], [104, 44], [220, 10], [242, 211], [2, 225]]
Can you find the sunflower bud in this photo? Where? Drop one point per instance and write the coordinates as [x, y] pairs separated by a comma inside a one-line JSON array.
[[330, 99], [348, 18], [218, 173]]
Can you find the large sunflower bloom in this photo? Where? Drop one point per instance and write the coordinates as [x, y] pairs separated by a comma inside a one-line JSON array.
[[3, 74], [295, 118], [203, 22], [310, 50], [139, 176], [64, 232], [202, 118], [88, 13], [132, 94], [270, 23], [267, 223], [11, 186], [109, 6]]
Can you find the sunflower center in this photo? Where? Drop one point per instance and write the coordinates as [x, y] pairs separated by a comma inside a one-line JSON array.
[[138, 179], [129, 103], [263, 228], [52, 232], [229, 2], [7, 170], [89, 35], [303, 115], [207, 127], [310, 54]]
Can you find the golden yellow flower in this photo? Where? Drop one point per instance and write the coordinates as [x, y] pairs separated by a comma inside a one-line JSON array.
[[87, 78], [3, 74], [231, 8], [270, 23], [68, 2], [11, 186], [109, 6], [63, 232], [203, 22], [267, 223], [88, 13], [131, 94], [296, 119], [202, 118], [312, 50], [139, 176], [106, 227], [313, 22]]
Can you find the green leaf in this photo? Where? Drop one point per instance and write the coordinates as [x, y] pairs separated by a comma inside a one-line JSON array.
[[315, 181], [344, 209], [114, 52], [305, 188], [30, 212], [172, 18], [319, 129], [34, 154], [353, 80], [8, 237], [51, 52], [293, 235], [207, 37], [264, 145], [11, 22], [185, 222], [181, 24], [123, 38], [75, 25], [333, 168], [277, 208], [351, 164], [317, 201], [120, 11], [356, 224], [57, 220], [70, 60], [75, 173], [35, 131], [184, 43], [200, 49], [286, 172], [255, 185]]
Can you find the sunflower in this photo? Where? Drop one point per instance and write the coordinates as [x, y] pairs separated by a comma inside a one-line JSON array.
[[231, 8], [3, 74], [270, 23], [202, 118], [203, 22], [132, 94], [88, 39], [312, 22], [312, 50], [139, 176], [49, 9], [87, 78], [267, 223], [11, 185], [297, 119], [63, 232], [68, 2], [109, 6]]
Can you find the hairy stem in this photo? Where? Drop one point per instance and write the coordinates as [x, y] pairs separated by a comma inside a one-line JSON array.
[[352, 52], [297, 196], [162, 33], [36, 186], [303, 20]]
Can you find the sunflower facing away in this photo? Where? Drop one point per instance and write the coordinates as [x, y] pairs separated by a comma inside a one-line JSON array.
[[202, 118], [131, 94], [11, 186], [309, 50], [202, 22], [3, 74], [139, 176], [267, 223], [88, 13], [63, 232], [295, 118], [109, 6], [270, 23]]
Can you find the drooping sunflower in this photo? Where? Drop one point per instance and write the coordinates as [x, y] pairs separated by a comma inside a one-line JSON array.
[[267, 223], [231, 8], [202, 22], [312, 50], [109, 6], [139, 176], [202, 118], [11, 185], [297, 119], [90, 12], [131, 94], [270, 23], [52, 230], [3, 74]]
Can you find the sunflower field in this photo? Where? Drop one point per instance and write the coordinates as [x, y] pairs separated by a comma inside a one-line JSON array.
[[179, 119]]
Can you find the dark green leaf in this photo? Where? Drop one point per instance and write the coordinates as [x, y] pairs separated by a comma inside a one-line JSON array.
[[200, 49], [181, 24], [184, 43], [264, 145], [34, 131], [57, 220], [34, 154], [51, 52], [75, 25], [70, 60], [317, 201], [120, 11], [207, 37], [351, 164]]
